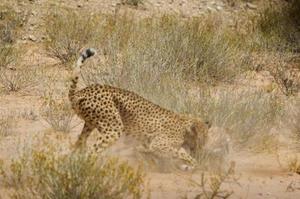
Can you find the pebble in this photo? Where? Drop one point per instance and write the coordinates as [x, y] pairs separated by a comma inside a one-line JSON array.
[[251, 6], [32, 38], [219, 8]]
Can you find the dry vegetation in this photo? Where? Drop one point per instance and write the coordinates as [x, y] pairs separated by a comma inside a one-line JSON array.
[[6, 125], [44, 172], [68, 32], [132, 2], [58, 114], [294, 165], [210, 186]]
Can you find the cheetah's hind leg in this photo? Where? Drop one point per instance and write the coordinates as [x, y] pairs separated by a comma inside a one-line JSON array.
[[110, 130]]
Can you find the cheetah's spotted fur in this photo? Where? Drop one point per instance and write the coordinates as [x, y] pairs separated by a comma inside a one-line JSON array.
[[114, 111]]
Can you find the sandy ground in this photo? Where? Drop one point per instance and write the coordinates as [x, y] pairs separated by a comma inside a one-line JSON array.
[[256, 175]]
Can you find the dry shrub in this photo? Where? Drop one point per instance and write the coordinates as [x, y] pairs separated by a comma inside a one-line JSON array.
[[58, 114], [68, 32], [288, 79], [211, 186], [6, 125], [46, 173], [278, 26], [155, 48], [11, 24], [294, 165], [7, 56], [132, 2], [15, 79], [291, 119], [243, 114]]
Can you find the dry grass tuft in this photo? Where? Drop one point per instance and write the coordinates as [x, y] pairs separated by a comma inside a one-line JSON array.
[[68, 32], [294, 165], [6, 125], [7, 56], [278, 26], [243, 114], [11, 24], [167, 46], [58, 114], [46, 173], [291, 120], [211, 186], [132, 2], [16, 79]]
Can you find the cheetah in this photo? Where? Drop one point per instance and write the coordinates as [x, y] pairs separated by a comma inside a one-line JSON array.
[[114, 111]]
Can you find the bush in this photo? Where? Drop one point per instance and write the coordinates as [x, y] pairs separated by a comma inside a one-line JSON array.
[[15, 79], [68, 32], [132, 2], [210, 187], [291, 120], [48, 174], [244, 114], [278, 26], [6, 125], [7, 56], [157, 50], [11, 24], [58, 114], [293, 165]]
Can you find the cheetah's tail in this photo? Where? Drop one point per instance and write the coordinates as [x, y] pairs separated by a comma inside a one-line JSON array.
[[76, 70]]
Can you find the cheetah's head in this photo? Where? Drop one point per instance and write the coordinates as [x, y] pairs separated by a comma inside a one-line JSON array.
[[196, 135]]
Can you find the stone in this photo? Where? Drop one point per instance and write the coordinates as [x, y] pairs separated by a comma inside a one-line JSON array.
[[251, 6], [219, 8], [32, 38]]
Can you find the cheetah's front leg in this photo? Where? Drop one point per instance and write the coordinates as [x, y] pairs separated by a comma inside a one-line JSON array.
[[160, 148]]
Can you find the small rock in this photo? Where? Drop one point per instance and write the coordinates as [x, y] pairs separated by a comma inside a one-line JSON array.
[[33, 13], [251, 6], [211, 9], [219, 8], [32, 38], [79, 5]]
